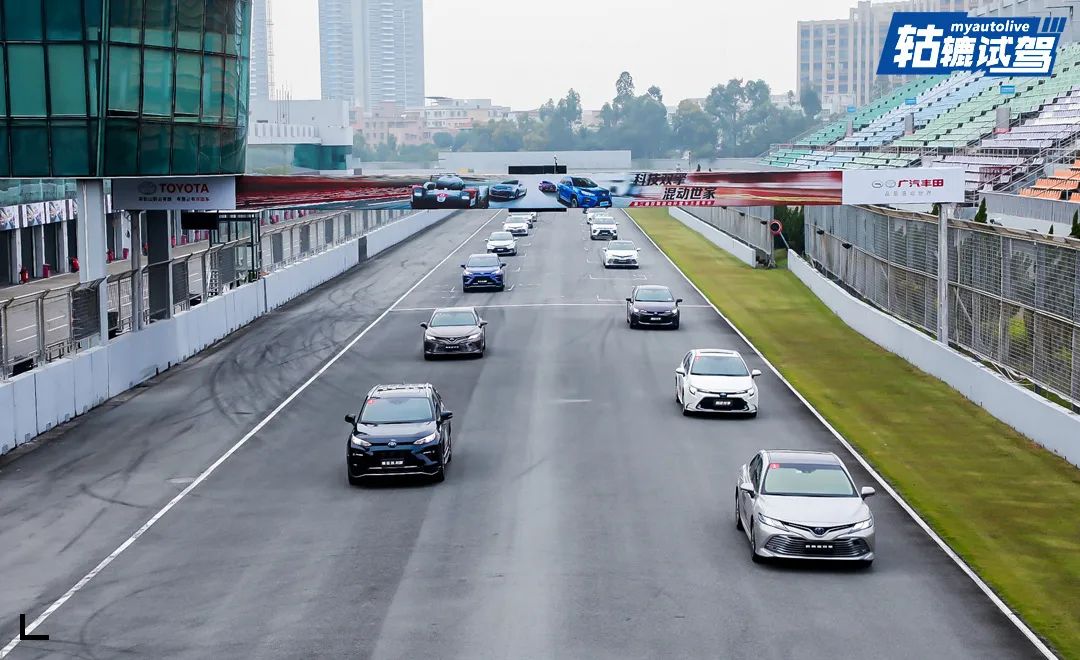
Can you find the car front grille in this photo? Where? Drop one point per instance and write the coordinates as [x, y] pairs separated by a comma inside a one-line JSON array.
[[792, 546], [450, 340], [715, 403]]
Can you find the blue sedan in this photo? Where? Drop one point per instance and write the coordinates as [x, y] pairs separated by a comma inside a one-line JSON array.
[[582, 192], [483, 271]]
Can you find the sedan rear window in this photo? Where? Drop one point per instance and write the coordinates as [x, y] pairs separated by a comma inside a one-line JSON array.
[[397, 410], [807, 480]]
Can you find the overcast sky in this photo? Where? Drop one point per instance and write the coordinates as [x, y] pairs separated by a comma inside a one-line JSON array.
[[522, 52]]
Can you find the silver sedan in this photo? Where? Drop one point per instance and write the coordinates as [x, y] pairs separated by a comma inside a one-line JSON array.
[[803, 505]]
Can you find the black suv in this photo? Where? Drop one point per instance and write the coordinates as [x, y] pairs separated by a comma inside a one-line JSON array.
[[400, 430]]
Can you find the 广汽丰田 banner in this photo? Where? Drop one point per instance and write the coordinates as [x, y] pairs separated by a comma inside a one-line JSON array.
[[937, 43], [604, 190]]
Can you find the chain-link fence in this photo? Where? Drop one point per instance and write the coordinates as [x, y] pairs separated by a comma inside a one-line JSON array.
[[749, 224], [40, 327], [1014, 297]]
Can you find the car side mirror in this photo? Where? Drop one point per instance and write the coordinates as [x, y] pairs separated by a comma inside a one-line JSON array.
[[755, 373], [446, 414], [350, 419], [866, 491], [681, 371], [462, 265], [482, 323], [678, 300], [639, 249], [424, 325], [629, 300], [502, 265], [747, 488]]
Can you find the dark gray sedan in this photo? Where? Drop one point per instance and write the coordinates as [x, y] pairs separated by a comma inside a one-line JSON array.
[[454, 331]]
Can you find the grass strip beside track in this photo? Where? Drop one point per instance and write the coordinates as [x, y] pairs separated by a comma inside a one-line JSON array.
[[1010, 508]]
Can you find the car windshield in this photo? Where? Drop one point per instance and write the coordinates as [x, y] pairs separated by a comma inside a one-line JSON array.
[[654, 295], [807, 480], [445, 319], [397, 410], [582, 182], [620, 245], [500, 236], [603, 220], [511, 182], [482, 261], [719, 365]]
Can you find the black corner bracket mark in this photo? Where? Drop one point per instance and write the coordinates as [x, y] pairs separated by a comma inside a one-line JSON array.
[[22, 631]]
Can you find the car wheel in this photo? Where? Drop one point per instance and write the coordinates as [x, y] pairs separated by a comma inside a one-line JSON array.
[[752, 415], [675, 326], [678, 395], [440, 476], [738, 513], [633, 323], [353, 481], [573, 201], [754, 556], [427, 356], [502, 287]]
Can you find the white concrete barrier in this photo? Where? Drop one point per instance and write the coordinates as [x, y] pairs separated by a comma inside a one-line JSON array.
[[35, 402], [1048, 424], [735, 248]]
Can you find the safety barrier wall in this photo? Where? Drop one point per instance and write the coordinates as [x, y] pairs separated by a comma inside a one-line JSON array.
[[725, 242], [1048, 424], [35, 402]]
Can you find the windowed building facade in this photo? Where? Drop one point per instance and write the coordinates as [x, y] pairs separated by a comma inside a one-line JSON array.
[[109, 88]]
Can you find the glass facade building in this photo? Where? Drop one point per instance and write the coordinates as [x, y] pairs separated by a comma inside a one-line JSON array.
[[107, 88]]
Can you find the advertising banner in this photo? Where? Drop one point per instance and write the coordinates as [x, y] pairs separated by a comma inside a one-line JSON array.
[[9, 218], [606, 190], [926, 185], [174, 194], [939, 43], [57, 211], [33, 214]]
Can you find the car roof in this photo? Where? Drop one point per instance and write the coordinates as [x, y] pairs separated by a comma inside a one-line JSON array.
[[715, 351], [402, 390], [801, 456]]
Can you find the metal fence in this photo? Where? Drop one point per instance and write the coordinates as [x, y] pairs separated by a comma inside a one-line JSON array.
[[39, 327], [1014, 297], [749, 224]]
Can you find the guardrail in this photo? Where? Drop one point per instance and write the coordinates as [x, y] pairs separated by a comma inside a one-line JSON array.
[[39, 327]]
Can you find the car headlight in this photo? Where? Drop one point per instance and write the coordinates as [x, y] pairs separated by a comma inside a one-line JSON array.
[[588, 194], [474, 336], [771, 522], [692, 389], [742, 393], [859, 526], [635, 310], [358, 441], [428, 439]]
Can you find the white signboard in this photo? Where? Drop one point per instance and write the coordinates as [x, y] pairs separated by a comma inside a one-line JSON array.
[[175, 194], [915, 185]]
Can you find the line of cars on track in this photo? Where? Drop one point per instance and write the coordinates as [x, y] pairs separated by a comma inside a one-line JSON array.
[[789, 504]]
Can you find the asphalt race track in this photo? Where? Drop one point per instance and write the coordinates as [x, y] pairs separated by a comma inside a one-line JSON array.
[[582, 517]]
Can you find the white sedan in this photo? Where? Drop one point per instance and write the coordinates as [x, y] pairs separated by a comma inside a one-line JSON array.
[[621, 253], [516, 227], [716, 380]]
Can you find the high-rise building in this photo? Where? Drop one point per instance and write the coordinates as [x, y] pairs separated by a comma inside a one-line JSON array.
[[839, 57], [262, 63], [372, 51], [160, 89]]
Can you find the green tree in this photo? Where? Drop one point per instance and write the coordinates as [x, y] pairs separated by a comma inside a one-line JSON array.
[[1051, 232], [1075, 233], [980, 215], [740, 110], [810, 100], [693, 130], [443, 140]]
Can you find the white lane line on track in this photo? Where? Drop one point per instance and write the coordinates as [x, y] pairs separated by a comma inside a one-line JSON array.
[[526, 305], [59, 602], [985, 588]]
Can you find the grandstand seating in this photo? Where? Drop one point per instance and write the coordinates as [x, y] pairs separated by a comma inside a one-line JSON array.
[[955, 121], [1064, 185]]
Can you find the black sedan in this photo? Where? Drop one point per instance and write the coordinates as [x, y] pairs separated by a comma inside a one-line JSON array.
[[399, 430], [652, 305], [454, 331], [511, 189]]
